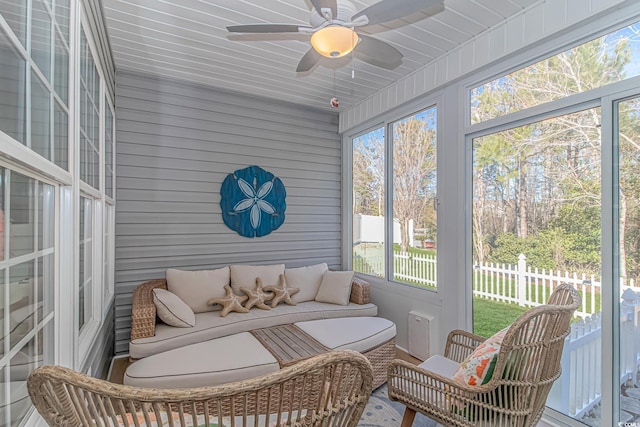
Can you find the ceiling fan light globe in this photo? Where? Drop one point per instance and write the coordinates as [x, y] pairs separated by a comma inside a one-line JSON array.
[[334, 41]]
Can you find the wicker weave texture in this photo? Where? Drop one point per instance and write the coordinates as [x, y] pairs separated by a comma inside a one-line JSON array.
[[331, 389], [143, 310], [381, 358], [528, 363]]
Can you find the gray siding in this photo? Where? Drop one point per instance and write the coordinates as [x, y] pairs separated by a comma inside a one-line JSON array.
[[176, 142]]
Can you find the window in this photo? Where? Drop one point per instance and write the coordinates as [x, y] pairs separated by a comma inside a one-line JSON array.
[[412, 186], [368, 203], [48, 80], [607, 59], [414, 198], [109, 138], [27, 279], [107, 242], [85, 289], [89, 116], [627, 241]]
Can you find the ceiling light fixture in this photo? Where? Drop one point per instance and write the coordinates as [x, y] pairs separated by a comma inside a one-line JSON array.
[[334, 41]]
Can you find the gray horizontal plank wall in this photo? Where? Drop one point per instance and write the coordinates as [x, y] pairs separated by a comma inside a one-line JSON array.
[[176, 142]]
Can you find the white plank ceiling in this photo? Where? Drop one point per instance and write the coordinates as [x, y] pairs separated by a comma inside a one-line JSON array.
[[188, 40]]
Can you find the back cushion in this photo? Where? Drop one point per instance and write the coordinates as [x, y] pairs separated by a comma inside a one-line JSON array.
[[244, 276], [195, 288], [307, 279]]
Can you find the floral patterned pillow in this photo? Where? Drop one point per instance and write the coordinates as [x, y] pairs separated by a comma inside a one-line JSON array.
[[477, 368]]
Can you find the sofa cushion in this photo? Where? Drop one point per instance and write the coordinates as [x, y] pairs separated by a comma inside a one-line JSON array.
[[353, 333], [210, 325], [237, 357], [335, 287], [307, 279], [246, 275], [172, 310], [195, 288]]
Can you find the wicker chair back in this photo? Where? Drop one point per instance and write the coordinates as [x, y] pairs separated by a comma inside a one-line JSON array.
[[331, 389]]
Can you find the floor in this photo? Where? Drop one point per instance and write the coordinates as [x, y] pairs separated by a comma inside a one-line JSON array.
[[119, 365]]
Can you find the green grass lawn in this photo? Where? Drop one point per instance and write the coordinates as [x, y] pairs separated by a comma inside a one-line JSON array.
[[491, 316]]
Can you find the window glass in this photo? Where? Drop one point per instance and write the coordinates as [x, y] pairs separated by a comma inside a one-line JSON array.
[[22, 210], [12, 90], [61, 74], [414, 198], [21, 365], [61, 133], [607, 59], [27, 280], [22, 299], [15, 13], [108, 150], [537, 224], [40, 118], [89, 116], [41, 37], [627, 113], [86, 261], [107, 249], [368, 203], [62, 17]]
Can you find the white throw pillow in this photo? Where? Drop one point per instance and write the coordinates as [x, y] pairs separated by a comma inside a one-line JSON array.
[[307, 279], [172, 310], [335, 287], [244, 276], [195, 288]]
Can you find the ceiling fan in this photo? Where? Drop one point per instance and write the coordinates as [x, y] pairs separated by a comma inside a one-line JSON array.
[[334, 26]]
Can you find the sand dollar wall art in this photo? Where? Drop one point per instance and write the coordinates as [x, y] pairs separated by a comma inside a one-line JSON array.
[[253, 201]]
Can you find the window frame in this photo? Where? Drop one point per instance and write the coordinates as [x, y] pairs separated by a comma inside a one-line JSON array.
[[435, 100], [603, 97]]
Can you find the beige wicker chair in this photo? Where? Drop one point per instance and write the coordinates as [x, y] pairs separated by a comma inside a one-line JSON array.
[[528, 363], [331, 389]]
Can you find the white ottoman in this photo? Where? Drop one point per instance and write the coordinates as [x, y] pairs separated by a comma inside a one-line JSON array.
[[374, 337], [218, 361], [350, 333]]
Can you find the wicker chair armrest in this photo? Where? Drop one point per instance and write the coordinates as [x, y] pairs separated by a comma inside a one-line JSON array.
[[460, 344], [437, 396], [360, 291], [143, 310]]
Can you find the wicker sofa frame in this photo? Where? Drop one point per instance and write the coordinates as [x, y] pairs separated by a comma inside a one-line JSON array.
[[331, 389]]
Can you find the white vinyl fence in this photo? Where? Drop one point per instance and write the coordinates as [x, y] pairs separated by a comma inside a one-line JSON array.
[[530, 287], [578, 389]]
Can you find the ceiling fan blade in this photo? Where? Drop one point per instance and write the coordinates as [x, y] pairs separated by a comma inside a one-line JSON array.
[[378, 53], [326, 4], [308, 61], [388, 10], [265, 28]]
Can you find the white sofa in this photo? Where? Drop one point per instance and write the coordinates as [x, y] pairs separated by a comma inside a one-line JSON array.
[[151, 336]]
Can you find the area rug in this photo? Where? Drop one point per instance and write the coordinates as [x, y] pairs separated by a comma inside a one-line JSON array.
[[382, 412]]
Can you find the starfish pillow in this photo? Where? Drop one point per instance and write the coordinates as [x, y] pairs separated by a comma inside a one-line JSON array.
[[282, 293], [230, 302], [257, 297]]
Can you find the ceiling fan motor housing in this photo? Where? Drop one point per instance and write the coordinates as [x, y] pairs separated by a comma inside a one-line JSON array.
[[345, 10]]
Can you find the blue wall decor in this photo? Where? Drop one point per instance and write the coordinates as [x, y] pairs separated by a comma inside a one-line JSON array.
[[253, 201]]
